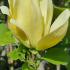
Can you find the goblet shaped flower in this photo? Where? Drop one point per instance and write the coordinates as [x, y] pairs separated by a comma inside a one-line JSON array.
[[31, 22]]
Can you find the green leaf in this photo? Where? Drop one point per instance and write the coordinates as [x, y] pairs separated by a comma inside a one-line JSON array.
[[6, 36], [25, 67], [68, 66], [17, 54], [57, 55]]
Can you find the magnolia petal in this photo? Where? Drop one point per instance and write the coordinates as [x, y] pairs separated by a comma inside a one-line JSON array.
[[53, 38], [12, 3], [29, 20], [13, 7], [60, 21], [57, 31], [4, 10], [47, 12], [20, 35]]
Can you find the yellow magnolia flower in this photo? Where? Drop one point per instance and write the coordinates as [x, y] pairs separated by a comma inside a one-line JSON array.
[[31, 22]]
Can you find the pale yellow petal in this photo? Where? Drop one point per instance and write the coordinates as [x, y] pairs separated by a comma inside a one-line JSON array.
[[57, 31], [29, 20], [19, 34], [61, 19], [47, 13], [53, 38], [13, 7], [10, 5]]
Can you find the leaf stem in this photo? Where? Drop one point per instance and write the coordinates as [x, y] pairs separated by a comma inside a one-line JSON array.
[[10, 49], [58, 67]]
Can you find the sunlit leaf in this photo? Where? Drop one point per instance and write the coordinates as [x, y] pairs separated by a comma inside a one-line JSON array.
[[6, 36]]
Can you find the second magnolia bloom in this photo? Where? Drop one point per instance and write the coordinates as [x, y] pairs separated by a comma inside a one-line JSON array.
[[31, 22]]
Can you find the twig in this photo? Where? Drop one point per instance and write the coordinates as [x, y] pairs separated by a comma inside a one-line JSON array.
[[58, 67], [10, 49]]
